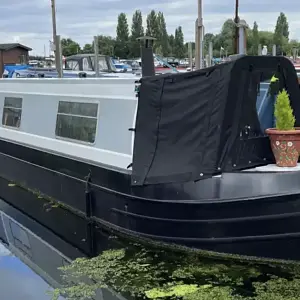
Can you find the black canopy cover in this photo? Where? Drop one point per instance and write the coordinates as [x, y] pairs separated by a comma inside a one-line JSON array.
[[194, 125]]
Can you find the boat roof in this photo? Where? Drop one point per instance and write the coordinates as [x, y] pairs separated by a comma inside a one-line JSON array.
[[195, 125], [77, 56]]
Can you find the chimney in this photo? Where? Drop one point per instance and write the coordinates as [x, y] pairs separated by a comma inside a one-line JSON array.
[[147, 55]]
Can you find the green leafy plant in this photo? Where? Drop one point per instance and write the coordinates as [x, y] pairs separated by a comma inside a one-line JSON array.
[[274, 86], [285, 119]]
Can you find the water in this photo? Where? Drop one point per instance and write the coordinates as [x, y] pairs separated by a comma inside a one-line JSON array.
[[36, 244], [18, 281]]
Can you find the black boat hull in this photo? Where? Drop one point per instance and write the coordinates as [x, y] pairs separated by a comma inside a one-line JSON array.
[[209, 214]]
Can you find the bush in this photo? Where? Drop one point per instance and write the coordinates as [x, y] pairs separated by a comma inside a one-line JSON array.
[[285, 119]]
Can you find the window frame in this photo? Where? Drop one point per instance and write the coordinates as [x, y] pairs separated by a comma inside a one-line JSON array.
[[21, 109], [24, 249], [74, 140], [88, 63], [72, 61]]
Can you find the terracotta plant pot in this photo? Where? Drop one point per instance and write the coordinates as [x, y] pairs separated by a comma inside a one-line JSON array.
[[285, 146]]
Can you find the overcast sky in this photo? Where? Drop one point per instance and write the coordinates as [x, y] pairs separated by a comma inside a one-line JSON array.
[[29, 22]]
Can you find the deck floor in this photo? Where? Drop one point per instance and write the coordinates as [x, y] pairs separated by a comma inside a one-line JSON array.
[[274, 168]]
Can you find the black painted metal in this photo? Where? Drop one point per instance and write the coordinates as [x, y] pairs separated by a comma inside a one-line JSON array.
[[259, 216]]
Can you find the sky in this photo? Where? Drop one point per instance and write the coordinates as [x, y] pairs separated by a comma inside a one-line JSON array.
[[14, 273], [29, 22]]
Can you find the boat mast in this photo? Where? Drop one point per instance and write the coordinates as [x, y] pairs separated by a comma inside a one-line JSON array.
[[199, 38], [54, 32], [236, 21], [56, 41]]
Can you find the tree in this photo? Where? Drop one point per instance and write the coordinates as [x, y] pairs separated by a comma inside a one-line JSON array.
[[281, 33], [255, 39], [208, 37], [171, 40], [179, 43], [106, 45], [88, 48], [152, 28], [228, 36], [137, 30], [162, 42], [125, 45], [186, 49], [266, 38], [122, 39], [69, 47]]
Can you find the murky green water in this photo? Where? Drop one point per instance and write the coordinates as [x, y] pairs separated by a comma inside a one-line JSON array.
[[141, 273]]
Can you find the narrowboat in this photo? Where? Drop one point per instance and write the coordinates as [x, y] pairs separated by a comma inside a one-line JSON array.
[[182, 158]]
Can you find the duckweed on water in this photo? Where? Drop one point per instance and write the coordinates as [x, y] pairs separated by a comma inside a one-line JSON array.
[[158, 274]]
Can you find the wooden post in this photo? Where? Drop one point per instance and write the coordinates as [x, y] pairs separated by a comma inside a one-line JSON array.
[[197, 54], [58, 57], [236, 21], [190, 52], [210, 53], [96, 58]]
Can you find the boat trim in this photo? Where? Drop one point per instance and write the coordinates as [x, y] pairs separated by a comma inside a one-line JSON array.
[[211, 240], [211, 221], [65, 148]]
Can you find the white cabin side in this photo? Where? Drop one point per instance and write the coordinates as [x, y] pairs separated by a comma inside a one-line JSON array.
[[46, 114]]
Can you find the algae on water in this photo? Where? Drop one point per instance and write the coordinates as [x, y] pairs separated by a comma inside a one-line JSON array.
[[159, 274]]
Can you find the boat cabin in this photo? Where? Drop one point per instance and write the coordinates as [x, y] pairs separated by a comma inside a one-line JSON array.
[[195, 125], [85, 119], [86, 62]]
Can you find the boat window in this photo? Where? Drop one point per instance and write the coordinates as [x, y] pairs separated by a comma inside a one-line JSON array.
[[20, 238], [72, 65], [105, 64], [12, 112], [77, 121], [102, 63], [86, 65]]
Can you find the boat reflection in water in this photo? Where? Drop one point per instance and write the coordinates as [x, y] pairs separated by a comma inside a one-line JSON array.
[[42, 250]]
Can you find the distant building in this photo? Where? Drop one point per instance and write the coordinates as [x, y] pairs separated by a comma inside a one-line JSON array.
[[12, 54]]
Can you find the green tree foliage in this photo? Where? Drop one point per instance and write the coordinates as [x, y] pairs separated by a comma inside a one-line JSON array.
[[173, 43], [106, 45], [152, 28], [137, 30], [88, 48], [285, 119], [179, 50], [227, 36], [171, 40], [69, 47], [255, 39], [281, 33], [152, 25], [122, 39], [162, 42]]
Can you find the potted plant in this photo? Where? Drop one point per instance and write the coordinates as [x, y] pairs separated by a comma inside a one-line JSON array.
[[285, 138]]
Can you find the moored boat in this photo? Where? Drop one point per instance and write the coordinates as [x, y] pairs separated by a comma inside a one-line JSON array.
[[180, 158]]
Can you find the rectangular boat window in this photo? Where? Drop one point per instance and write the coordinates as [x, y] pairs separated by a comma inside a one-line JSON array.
[[77, 121], [12, 112], [20, 238]]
